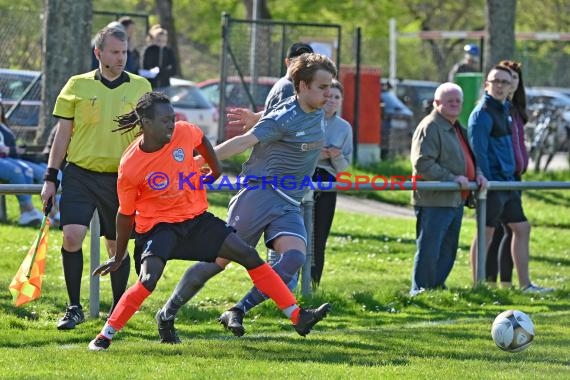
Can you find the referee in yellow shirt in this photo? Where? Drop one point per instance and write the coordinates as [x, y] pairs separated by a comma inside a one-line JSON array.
[[86, 108]]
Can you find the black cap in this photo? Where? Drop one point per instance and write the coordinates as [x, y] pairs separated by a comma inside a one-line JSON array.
[[297, 49]]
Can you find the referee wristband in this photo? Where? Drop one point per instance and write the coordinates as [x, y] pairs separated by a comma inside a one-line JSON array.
[[51, 175]]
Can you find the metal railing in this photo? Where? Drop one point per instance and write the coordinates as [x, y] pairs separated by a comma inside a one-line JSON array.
[[308, 218]]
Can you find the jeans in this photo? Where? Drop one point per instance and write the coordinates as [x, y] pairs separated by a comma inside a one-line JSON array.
[[13, 172], [437, 239]]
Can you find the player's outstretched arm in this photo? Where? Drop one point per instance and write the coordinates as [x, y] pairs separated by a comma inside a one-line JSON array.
[[209, 157], [124, 227], [235, 145]]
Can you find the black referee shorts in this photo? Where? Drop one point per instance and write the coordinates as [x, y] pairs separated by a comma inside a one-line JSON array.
[[83, 191]]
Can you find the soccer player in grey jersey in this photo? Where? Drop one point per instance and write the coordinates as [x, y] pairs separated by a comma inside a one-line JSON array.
[[286, 145]]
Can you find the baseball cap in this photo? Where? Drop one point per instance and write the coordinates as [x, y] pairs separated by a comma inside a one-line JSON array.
[[297, 49], [471, 49]]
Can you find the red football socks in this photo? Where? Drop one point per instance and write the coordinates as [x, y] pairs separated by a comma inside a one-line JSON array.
[[268, 282], [129, 303]]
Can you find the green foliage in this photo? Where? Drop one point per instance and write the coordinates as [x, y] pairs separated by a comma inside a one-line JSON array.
[[199, 30]]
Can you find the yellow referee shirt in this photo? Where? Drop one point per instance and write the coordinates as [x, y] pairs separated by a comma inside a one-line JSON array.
[[93, 108]]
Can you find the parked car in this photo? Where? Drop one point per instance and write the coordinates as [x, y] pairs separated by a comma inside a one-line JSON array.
[[417, 95], [21, 95], [547, 96], [237, 96], [191, 104], [397, 125]]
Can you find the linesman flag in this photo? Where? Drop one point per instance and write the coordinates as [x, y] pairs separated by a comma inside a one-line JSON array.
[[26, 285]]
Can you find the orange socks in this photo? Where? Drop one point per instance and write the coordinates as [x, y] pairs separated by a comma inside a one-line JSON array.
[[267, 281], [129, 303]]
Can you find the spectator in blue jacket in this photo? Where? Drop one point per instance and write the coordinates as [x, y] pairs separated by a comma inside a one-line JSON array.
[[490, 130]]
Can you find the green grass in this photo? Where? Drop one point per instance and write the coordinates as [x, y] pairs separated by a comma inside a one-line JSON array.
[[375, 330]]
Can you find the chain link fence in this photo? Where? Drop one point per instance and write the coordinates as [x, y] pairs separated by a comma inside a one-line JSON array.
[[253, 55]]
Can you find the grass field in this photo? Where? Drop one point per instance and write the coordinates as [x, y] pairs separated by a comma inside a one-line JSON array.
[[375, 330]]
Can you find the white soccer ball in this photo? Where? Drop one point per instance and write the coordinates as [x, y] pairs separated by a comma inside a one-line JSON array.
[[512, 331]]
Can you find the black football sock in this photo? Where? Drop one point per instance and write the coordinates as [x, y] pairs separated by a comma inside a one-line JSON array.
[[72, 271]]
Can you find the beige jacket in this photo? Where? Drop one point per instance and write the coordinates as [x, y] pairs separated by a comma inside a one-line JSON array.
[[436, 155]]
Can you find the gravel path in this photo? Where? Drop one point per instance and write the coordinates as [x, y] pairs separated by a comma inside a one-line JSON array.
[[371, 207]]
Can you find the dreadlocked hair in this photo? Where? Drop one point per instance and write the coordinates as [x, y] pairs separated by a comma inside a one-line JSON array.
[[144, 108]]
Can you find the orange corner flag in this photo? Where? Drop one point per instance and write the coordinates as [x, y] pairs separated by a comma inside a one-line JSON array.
[[26, 285]]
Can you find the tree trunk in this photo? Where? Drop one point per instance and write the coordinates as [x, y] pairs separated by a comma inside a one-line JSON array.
[[500, 40], [166, 19], [66, 50]]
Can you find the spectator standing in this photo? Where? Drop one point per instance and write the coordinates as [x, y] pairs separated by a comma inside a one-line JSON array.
[[334, 158], [499, 259], [469, 64], [173, 223], [490, 135], [159, 62], [286, 144], [86, 108], [133, 56], [440, 152]]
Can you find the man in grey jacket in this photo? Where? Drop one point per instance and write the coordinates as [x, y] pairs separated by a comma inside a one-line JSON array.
[[440, 152]]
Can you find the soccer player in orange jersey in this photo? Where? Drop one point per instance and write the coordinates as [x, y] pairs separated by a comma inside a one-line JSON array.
[[160, 187]]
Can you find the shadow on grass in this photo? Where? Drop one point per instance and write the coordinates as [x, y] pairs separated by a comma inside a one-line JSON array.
[[380, 238]]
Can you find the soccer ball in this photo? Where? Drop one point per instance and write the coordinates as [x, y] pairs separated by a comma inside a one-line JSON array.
[[512, 331]]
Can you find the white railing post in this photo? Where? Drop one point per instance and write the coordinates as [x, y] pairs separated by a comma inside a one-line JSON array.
[[95, 257], [481, 234]]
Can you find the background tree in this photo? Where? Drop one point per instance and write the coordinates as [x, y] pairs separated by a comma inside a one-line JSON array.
[[66, 51], [500, 27]]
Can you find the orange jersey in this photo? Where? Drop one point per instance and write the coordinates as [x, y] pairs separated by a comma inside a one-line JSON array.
[[162, 186]]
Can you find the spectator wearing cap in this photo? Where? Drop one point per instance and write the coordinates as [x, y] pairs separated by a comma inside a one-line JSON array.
[[284, 86], [469, 64], [282, 89]]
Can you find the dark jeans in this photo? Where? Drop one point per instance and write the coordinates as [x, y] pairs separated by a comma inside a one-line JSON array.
[[437, 239]]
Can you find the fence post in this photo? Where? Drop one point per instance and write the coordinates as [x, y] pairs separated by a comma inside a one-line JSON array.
[[3, 209], [95, 256], [481, 235], [308, 204]]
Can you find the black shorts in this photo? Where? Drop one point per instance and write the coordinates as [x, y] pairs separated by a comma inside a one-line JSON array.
[[505, 207], [198, 239], [83, 191]]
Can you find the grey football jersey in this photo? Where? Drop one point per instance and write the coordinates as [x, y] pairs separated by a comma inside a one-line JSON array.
[[290, 141]]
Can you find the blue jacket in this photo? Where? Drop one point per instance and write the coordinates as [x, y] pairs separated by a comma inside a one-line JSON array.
[[489, 131]]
